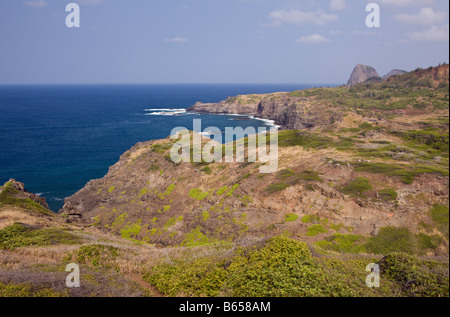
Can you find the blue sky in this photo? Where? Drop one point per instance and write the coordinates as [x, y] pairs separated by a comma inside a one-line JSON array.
[[216, 41]]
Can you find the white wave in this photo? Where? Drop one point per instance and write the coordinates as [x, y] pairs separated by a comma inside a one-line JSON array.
[[165, 112], [268, 122], [235, 115], [168, 110]]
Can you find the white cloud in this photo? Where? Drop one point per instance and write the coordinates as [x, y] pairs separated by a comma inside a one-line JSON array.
[[298, 17], [426, 16], [36, 3], [433, 34], [338, 5], [176, 40], [406, 3], [313, 38]]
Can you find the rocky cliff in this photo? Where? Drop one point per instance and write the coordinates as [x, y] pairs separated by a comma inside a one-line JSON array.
[[288, 110], [394, 72], [362, 73]]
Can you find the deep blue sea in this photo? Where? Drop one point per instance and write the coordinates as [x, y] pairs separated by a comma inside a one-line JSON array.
[[57, 138]]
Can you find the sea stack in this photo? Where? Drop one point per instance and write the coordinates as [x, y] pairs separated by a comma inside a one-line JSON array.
[[362, 73]]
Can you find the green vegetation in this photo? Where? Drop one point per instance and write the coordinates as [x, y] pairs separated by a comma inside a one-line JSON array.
[[302, 138], [406, 173], [290, 217], [11, 196], [198, 194], [284, 174], [242, 177], [94, 255], [119, 221], [169, 190], [440, 216], [161, 148], [353, 130], [111, 189], [19, 235], [222, 190], [357, 187], [172, 221], [131, 231], [231, 190], [392, 239], [343, 243], [196, 238], [388, 194], [311, 219], [308, 175], [273, 188], [415, 277], [207, 170], [283, 267], [434, 142], [314, 230], [27, 290], [291, 179]]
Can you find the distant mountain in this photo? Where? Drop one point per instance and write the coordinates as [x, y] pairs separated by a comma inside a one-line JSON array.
[[362, 73], [394, 72]]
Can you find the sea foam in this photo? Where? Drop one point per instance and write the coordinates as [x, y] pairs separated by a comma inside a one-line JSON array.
[[165, 112]]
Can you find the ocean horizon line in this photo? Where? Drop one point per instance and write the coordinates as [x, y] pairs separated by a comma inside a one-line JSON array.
[[318, 85]]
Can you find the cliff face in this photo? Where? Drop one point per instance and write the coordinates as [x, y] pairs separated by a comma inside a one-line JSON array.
[[362, 73], [286, 109]]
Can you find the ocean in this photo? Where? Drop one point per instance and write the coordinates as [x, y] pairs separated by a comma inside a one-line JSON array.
[[56, 138]]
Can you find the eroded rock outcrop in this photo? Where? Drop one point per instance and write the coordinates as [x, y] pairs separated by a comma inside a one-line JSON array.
[[286, 110], [395, 72], [362, 73], [19, 191]]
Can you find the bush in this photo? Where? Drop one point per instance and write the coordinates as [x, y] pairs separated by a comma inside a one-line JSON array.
[[391, 239], [283, 174], [343, 243], [290, 217], [314, 230], [280, 267], [415, 277], [405, 173], [440, 216], [388, 194], [207, 170], [357, 187], [198, 194], [273, 188]]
